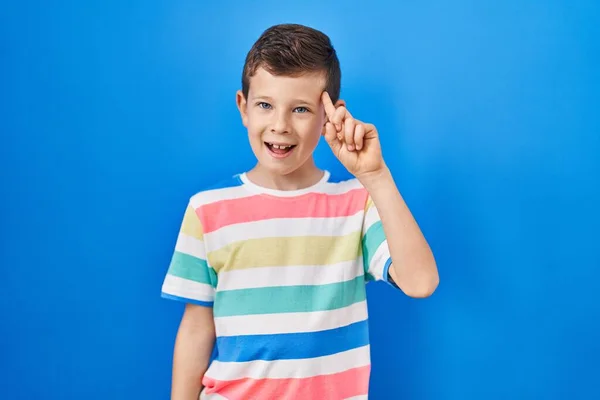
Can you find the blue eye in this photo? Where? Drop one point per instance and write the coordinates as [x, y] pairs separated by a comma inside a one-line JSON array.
[[264, 105], [301, 109]]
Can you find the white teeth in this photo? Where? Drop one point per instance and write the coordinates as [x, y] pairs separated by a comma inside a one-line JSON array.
[[276, 146]]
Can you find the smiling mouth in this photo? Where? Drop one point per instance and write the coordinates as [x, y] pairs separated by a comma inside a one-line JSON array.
[[279, 149]]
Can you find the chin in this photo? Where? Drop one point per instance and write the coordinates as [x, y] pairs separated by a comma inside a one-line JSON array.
[[279, 169]]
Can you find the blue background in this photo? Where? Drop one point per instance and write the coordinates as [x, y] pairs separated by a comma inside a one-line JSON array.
[[112, 114]]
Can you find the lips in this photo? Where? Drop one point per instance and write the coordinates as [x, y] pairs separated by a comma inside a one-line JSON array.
[[279, 150]]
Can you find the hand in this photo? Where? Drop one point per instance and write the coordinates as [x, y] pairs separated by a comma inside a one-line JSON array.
[[354, 143]]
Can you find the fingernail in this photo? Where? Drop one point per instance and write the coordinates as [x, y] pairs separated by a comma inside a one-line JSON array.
[[338, 127], [350, 147]]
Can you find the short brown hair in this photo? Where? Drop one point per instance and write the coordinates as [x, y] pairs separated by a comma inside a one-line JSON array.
[[292, 50]]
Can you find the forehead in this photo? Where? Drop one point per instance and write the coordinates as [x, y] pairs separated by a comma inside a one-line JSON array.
[[308, 85]]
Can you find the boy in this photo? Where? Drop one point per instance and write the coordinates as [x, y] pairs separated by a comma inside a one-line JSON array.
[[272, 264]]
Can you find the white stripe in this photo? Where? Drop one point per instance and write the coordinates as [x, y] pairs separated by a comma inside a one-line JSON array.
[[180, 287], [214, 195], [236, 192], [266, 324], [283, 227], [190, 245], [212, 396], [378, 261], [298, 368], [363, 397], [290, 276]]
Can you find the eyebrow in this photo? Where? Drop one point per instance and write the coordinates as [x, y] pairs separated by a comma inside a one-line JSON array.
[[301, 101]]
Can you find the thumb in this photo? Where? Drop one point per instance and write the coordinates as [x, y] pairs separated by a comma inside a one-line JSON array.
[[331, 137]]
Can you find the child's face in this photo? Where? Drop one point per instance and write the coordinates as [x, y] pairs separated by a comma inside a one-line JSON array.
[[284, 117]]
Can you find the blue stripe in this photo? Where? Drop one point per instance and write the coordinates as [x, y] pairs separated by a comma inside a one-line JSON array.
[[386, 274], [186, 300], [291, 346]]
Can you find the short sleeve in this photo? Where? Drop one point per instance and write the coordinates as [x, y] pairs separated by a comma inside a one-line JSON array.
[[376, 253], [189, 278]]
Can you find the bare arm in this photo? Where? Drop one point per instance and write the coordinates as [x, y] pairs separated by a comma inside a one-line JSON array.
[[193, 348], [413, 266]]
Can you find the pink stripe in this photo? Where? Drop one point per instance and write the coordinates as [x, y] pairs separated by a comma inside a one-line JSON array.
[[354, 382], [255, 208]]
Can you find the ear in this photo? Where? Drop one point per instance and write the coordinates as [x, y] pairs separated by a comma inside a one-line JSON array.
[[242, 106]]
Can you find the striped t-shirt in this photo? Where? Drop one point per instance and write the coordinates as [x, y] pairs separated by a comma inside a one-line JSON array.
[[285, 274]]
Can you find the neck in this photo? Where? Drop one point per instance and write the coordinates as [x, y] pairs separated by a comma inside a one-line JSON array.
[[303, 177]]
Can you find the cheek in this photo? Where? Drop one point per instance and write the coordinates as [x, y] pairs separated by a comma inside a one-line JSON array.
[[311, 132], [255, 128]]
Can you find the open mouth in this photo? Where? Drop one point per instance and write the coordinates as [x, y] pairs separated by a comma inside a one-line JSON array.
[[279, 150]]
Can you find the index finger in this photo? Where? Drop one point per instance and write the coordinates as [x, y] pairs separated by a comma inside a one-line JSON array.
[[328, 104]]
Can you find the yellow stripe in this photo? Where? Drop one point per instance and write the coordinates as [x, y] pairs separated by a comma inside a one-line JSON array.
[[369, 204], [286, 251], [191, 225]]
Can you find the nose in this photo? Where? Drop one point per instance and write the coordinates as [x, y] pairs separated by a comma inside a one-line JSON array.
[[280, 123]]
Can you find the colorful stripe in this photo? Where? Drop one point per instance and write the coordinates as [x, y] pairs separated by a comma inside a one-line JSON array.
[[191, 225], [256, 208], [286, 251], [371, 241], [187, 300], [289, 346], [288, 299], [191, 268], [350, 383]]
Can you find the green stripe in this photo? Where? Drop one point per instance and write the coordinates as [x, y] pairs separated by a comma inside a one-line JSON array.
[[192, 268], [371, 242], [287, 299]]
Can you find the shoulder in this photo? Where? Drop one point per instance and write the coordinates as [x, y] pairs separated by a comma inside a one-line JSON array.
[[219, 190]]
